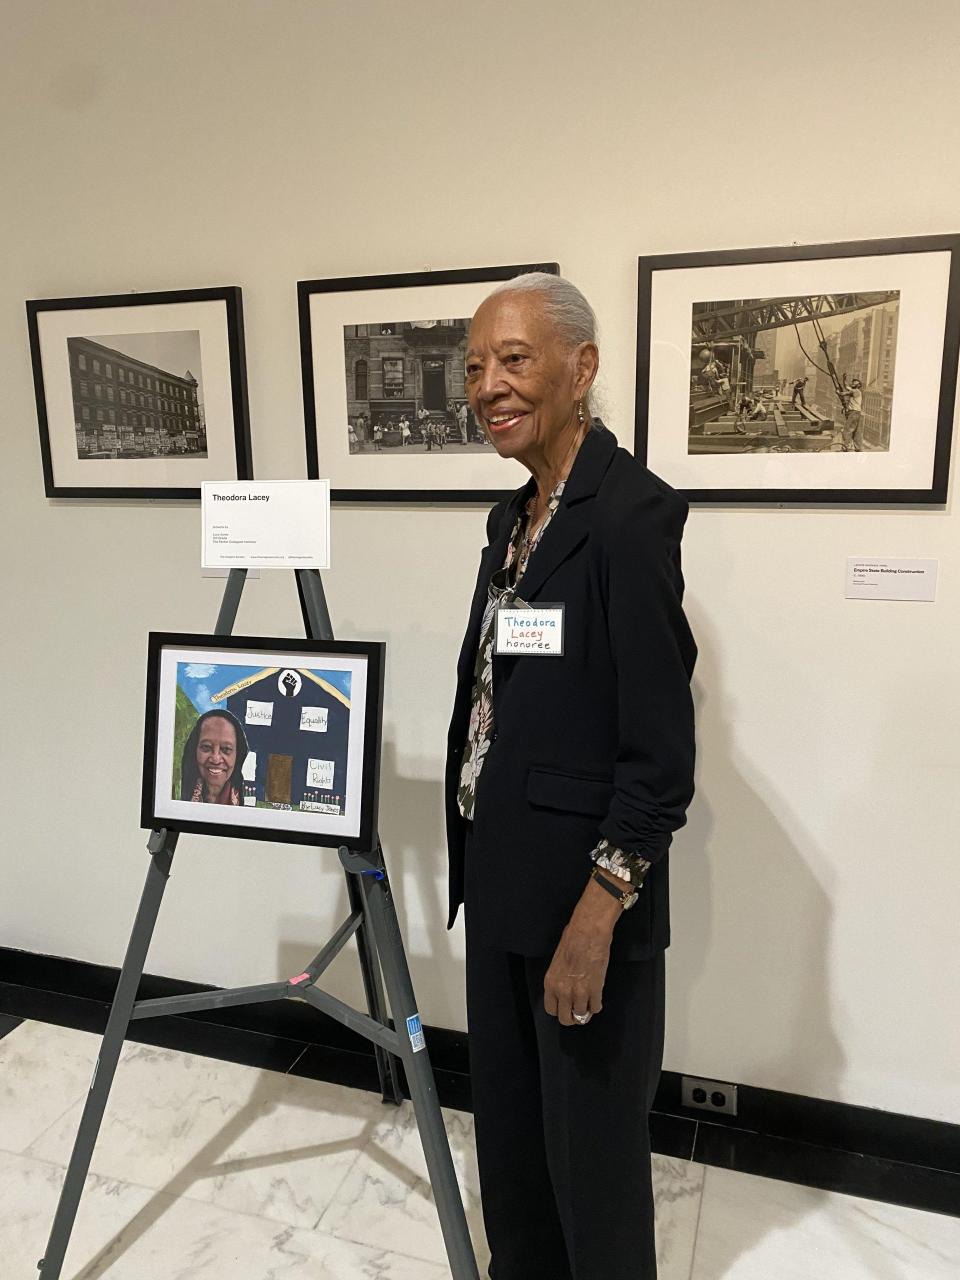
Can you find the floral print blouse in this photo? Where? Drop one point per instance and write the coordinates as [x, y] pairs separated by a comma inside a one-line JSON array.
[[502, 589], [229, 795]]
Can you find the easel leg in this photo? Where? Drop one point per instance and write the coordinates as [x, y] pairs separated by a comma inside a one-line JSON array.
[[313, 605], [162, 845], [227, 617], [373, 990], [443, 1178], [317, 625]]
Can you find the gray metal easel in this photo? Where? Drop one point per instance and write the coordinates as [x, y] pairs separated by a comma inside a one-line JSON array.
[[372, 918]]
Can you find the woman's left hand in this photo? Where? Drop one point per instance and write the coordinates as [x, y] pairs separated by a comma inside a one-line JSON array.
[[574, 981]]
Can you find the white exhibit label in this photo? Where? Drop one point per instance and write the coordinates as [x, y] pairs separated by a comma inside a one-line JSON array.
[[266, 524], [869, 578], [533, 631]]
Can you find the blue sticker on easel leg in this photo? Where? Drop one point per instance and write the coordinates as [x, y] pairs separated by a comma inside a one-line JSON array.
[[415, 1032]]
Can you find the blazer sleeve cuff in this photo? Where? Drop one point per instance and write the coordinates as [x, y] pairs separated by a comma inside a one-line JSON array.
[[632, 867]]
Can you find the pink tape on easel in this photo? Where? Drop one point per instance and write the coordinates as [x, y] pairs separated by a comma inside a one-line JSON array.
[[301, 977]]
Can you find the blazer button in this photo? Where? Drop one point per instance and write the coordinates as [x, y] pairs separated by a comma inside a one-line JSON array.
[[495, 735]]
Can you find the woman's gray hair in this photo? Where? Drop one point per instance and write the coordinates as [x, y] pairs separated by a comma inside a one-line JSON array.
[[572, 315], [566, 306]]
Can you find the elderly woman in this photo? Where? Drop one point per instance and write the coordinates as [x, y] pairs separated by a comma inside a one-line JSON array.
[[569, 768]]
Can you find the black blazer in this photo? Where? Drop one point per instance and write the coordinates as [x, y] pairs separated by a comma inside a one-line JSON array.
[[598, 742]]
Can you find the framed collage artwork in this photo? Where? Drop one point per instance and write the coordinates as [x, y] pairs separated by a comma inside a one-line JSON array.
[[265, 739]]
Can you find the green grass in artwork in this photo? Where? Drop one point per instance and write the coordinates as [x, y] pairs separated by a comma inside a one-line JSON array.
[[185, 717]]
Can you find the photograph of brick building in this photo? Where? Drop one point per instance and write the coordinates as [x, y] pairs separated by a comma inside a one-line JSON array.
[[138, 395], [405, 388]]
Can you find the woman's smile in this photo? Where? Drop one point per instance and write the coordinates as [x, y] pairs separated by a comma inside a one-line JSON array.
[[500, 422]]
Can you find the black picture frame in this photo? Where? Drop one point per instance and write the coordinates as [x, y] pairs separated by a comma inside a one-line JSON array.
[[936, 459], [347, 483], [159, 747], [233, 458]]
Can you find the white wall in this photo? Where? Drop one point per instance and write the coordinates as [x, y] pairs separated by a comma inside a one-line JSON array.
[[165, 145]]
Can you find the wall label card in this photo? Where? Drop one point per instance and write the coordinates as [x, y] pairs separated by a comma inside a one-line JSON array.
[[870, 578], [530, 630], [266, 524]]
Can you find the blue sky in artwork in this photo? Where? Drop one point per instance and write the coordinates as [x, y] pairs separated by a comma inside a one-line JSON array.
[[201, 680]]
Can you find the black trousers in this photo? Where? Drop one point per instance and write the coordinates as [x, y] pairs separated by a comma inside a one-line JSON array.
[[561, 1117]]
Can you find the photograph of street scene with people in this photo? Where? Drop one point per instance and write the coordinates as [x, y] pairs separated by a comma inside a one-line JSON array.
[[804, 374], [405, 390]]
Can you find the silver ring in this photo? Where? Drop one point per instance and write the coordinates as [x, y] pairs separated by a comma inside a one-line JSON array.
[[582, 1017]]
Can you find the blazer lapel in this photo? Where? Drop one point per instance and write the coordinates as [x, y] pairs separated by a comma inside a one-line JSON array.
[[492, 558], [565, 532], [570, 524], [497, 550]]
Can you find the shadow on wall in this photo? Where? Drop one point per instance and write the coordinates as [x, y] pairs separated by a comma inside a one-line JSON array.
[[748, 975], [414, 850], [759, 949]]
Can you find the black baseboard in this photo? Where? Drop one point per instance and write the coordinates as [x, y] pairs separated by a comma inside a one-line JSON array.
[[834, 1146], [8, 1023]]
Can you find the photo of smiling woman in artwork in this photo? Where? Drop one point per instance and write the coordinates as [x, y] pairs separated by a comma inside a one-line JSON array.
[[212, 762]]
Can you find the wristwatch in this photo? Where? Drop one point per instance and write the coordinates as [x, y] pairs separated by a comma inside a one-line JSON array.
[[626, 900]]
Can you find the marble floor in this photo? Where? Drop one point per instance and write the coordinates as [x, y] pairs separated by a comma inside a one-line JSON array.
[[207, 1169]]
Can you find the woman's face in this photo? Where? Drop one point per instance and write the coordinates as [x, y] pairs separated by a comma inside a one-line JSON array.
[[216, 752], [523, 383]]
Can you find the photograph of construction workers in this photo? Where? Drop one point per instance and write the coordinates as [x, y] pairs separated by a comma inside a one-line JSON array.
[[802, 374]]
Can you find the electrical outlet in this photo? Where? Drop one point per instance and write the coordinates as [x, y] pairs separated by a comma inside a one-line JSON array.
[[708, 1095]]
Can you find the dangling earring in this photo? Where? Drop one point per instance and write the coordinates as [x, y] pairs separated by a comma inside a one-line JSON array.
[[580, 414]]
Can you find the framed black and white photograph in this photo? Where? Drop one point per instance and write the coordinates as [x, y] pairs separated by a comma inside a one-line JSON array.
[[823, 373], [140, 395], [386, 413], [267, 739]]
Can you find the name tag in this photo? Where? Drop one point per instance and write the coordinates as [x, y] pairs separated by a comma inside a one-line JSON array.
[[533, 631]]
